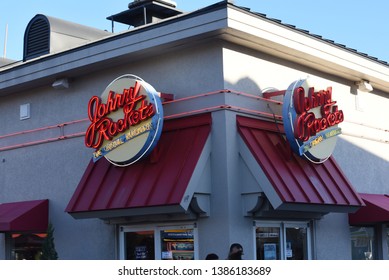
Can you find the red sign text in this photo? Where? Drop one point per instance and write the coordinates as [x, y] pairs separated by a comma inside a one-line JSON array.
[[135, 110], [306, 124]]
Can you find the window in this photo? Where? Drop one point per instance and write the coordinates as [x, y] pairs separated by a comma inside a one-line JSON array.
[[282, 241], [26, 246], [158, 242], [177, 244], [363, 243], [139, 245]]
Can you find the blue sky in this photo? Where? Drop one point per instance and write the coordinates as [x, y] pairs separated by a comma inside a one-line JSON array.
[[358, 24]]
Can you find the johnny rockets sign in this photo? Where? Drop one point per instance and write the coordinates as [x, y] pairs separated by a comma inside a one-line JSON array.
[[311, 120], [126, 121]]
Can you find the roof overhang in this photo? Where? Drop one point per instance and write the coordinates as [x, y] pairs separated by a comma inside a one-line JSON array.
[[220, 21], [292, 44]]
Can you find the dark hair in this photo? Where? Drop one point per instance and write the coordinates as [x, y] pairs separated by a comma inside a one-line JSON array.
[[237, 255], [212, 256], [237, 246]]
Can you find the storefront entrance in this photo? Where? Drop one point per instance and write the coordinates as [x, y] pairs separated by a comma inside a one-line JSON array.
[[282, 240], [174, 242], [25, 246]]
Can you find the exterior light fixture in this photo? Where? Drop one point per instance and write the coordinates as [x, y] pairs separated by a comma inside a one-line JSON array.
[[61, 83], [364, 86]]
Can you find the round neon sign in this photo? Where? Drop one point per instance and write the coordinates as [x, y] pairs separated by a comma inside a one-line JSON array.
[[126, 121], [311, 120]]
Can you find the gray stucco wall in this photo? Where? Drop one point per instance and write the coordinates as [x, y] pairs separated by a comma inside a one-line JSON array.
[[226, 224], [332, 237]]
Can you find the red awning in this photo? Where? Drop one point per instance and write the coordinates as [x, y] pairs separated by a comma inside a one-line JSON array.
[[24, 216], [154, 185], [296, 184], [375, 211]]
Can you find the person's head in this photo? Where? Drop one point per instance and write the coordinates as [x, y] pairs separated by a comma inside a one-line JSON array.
[[212, 256], [236, 252]]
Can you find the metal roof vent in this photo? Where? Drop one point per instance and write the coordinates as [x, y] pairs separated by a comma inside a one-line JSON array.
[[141, 12], [36, 38], [47, 35]]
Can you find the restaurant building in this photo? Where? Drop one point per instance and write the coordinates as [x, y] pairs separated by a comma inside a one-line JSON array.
[[190, 132]]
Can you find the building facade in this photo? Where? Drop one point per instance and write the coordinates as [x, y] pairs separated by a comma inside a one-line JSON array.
[[222, 170]]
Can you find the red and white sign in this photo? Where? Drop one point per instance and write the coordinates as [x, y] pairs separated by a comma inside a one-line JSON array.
[[311, 120], [126, 121]]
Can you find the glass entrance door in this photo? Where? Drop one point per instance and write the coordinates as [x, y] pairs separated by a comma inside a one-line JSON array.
[[282, 241], [268, 242], [139, 245], [296, 242]]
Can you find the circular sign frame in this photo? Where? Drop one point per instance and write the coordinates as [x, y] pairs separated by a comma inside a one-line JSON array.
[[311, 120], [126, 121]]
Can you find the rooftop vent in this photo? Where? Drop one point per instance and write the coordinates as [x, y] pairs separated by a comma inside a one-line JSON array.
[[37, 38], [141, 12], [45, 35]]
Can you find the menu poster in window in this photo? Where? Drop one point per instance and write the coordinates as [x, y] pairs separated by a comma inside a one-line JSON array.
[[180, 246], [167, 255], [289, 251], [177, 244], [270, 251], [141, 253]]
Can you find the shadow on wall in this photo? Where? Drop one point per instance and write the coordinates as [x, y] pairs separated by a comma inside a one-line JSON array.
[[246, 85], [249, 86]]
